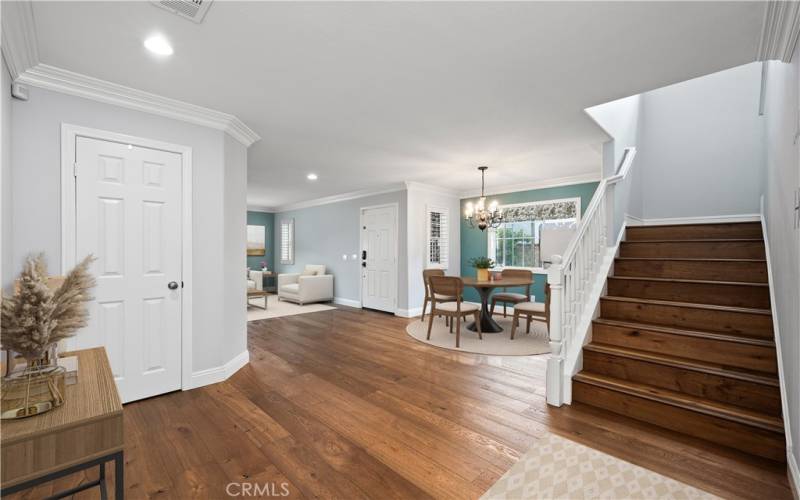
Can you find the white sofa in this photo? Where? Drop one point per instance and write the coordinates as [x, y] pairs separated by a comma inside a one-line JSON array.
[[312, 285]]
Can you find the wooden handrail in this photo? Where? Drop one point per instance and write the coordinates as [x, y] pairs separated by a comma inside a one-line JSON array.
[[624, 166], [599, 194]]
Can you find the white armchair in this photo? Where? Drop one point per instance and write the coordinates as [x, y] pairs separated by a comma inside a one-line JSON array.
[[312, 285], [255, 280]]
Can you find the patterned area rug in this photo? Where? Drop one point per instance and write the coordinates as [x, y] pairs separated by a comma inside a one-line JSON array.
[[277, 308], [492, 343], [557, 468]]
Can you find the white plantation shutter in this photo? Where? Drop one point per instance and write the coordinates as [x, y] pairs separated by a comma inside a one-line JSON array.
[[437, 243], [287, 241]]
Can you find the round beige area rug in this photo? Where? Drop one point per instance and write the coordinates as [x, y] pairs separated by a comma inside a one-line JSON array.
[[492, 343]]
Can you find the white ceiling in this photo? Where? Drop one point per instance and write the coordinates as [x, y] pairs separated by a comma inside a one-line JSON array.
[[368, 94]]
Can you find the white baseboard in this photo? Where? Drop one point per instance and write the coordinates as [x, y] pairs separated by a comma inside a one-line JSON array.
[[347, 302], [218, 373], [409, 313], [710, 219], [236, 363], [631, 220], [793, 471]]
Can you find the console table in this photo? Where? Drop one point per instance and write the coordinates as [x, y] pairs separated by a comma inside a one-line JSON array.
[[86, 431]]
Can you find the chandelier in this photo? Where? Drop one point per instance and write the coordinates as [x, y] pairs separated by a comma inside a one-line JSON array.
[[477, 214]]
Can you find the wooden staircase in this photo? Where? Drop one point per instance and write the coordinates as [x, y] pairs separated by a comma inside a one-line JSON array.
[[685, 340]]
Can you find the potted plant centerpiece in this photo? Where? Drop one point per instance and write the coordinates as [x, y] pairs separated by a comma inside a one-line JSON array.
[[43, 311], [482, 266]]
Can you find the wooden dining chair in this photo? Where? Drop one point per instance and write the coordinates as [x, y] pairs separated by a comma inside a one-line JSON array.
[[426, 274], [533, 311], [506, 297], [451, 286]]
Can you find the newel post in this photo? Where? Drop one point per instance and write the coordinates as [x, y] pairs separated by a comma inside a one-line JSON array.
[[555, 364]]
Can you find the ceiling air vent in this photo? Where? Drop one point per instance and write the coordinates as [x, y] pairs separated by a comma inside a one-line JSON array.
[[190, 9]]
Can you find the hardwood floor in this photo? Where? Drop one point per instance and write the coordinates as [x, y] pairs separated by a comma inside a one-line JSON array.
[[344, 404]]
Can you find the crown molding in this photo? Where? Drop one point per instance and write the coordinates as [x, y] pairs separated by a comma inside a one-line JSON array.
[[527, 186], [260, 208], [19, 37], [68, 82], [353, 195], [780, 31]]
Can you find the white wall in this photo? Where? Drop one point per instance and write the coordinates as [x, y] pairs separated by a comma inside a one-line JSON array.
[[619, 119], [35, 153], [5, 178], [235, 240], [419, 198], [324, 233], [623, 121], [781, 178], [701, 148]]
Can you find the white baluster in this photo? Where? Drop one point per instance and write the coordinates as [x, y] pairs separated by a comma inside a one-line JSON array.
[[609, 213]]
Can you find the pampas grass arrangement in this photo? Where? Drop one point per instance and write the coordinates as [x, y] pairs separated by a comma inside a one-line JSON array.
[[36, 316]]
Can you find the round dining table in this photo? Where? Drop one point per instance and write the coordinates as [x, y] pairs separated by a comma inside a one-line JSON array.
[[484, 288]]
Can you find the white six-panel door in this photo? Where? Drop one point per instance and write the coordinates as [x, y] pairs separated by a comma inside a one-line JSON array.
[[128, 209], [379, 269]]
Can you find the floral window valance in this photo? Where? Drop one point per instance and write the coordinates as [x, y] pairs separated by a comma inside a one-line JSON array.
[[540, 211]]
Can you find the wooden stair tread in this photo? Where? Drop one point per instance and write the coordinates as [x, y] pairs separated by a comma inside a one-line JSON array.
[[705, 224], [690, 333], [691, 259], [685, 401], [685, 363], [699, 282], [694, 305], [703, 240]]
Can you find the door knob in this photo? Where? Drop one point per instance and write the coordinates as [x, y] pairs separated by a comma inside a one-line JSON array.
[[173, 285]]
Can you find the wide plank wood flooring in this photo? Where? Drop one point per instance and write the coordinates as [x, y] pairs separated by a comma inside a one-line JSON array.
[[344, 404]]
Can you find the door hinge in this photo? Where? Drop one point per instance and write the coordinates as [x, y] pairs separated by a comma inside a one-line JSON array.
[[797, 208], [75, 169]]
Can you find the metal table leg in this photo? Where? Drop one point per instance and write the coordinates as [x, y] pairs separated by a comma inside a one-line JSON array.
[[119, 476], [119, 482]]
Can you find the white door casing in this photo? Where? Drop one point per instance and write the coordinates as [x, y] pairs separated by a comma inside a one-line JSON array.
[[379, 226], [127, 209]]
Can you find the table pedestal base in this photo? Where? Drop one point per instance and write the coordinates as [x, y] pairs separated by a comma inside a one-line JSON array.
[[488, 325]]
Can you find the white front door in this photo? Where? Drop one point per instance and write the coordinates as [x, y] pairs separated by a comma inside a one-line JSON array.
[[128, 209], [379, 258]]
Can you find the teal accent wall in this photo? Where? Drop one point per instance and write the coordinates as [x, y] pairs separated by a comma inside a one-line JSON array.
[[474, 242], [268, 221]]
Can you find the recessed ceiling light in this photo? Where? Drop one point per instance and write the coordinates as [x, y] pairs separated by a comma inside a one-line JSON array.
[[157, 44], [312, 177]]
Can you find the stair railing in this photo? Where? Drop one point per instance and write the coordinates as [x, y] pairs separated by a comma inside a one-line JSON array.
[[574, 279]]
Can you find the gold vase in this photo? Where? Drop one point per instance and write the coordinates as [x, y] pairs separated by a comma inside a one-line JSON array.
[[483, 275], [35, 390]]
